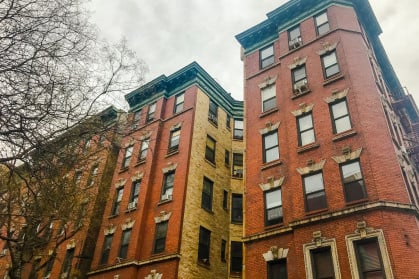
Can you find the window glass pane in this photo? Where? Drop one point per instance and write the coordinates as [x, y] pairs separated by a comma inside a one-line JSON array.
[[152, 108], [271, 140], [343, 124], [268, 92], [369, 258], [180, 98], [351, 172], [329, 59], [210, 143], [238, 124], [332, 70], [277, 270], [273, 198], [323, 28], [272, 155], [269, 51], [339, 109], [269, 104], [313, 183], [294, 33], [305, 122], [299, 73], [307, 137], [323, 263], [320, 19]]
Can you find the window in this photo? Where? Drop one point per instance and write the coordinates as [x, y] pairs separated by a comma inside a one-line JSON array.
[[237, 208], [142, 155], [137, 116], [353, 181], [179, 100], [117, 201], [237, 165], [322, 263], [225, 199], [66, 267], [151, 112], [268, 98], [314, 192], [299, 79], [174, 140], [294, 38], [160, 237], [223, 250], [227, 158], [127, 157], [135, 191], [206, 201], [340, 117], [368, 258], [305, 129], [204, 245], [77, 177], [330, 64], [270, 147], [277, 269], [238, 129], [273, 207], [168, 182], [213, 112], [87, 145], [322, 23], [236, 249], [92, 177], [123, 250], [267, 57], [210, 150], [107, 243], [228, 120], [48, 267]]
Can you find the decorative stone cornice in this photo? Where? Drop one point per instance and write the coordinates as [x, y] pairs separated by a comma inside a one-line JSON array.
[[176, 126], [154, 275], [304, 108], [272, 184], [347, 156], [129, 143], [275, 253], [269, 127], [120, 183], [137, 176], [71, 244], [298, 61], [170, 168], [311, 167], [129, 223], [337, 95], [164, 216], [327, 47], [109, 230], [268, 82], [145, 136]]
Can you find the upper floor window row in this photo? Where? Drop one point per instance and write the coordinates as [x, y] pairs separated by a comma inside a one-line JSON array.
[[295, 40]]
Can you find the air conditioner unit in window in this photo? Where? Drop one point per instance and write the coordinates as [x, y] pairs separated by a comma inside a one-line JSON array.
[[3, 252], [212, 117], [166, 197], [295, 43], [64, 275], [300, 87], [132, 205]]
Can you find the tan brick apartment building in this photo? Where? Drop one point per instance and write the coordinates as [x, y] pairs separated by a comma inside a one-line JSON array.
[[331, 183], [178, 174]]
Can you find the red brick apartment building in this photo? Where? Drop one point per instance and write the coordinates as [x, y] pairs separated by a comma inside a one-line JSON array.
[[331, 187], [178, 175]]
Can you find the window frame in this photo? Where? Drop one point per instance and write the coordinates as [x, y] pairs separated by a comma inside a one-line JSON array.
[[204, 245], [127, 156], [237, 169], [213, 112], [236, 208], [266, 61], [116, 205], [67, 263], [309, 129], [370, 240], [135, 193], [346, 184], [282, 264], [167, 187], [325, 68], [298, 84], [314, 193], [238, 132], [92, 176], [294, 41], [210, 152], [160, 236], [106, 248], [225, 199], [268, 102], [123, 247], [142, 153], [227, 158], [223, 250], [265, 149], [151, 113], [207, 194], [228, 121], [315, 266], [280, 220], [335, 119], [319, 26], [173, 145], [236, 256], [179, 103]]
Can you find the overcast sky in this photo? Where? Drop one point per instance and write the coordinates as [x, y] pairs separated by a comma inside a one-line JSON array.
[[169, 34]]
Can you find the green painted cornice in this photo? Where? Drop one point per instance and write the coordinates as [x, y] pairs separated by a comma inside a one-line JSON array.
[[192, 74], [294, 12]]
